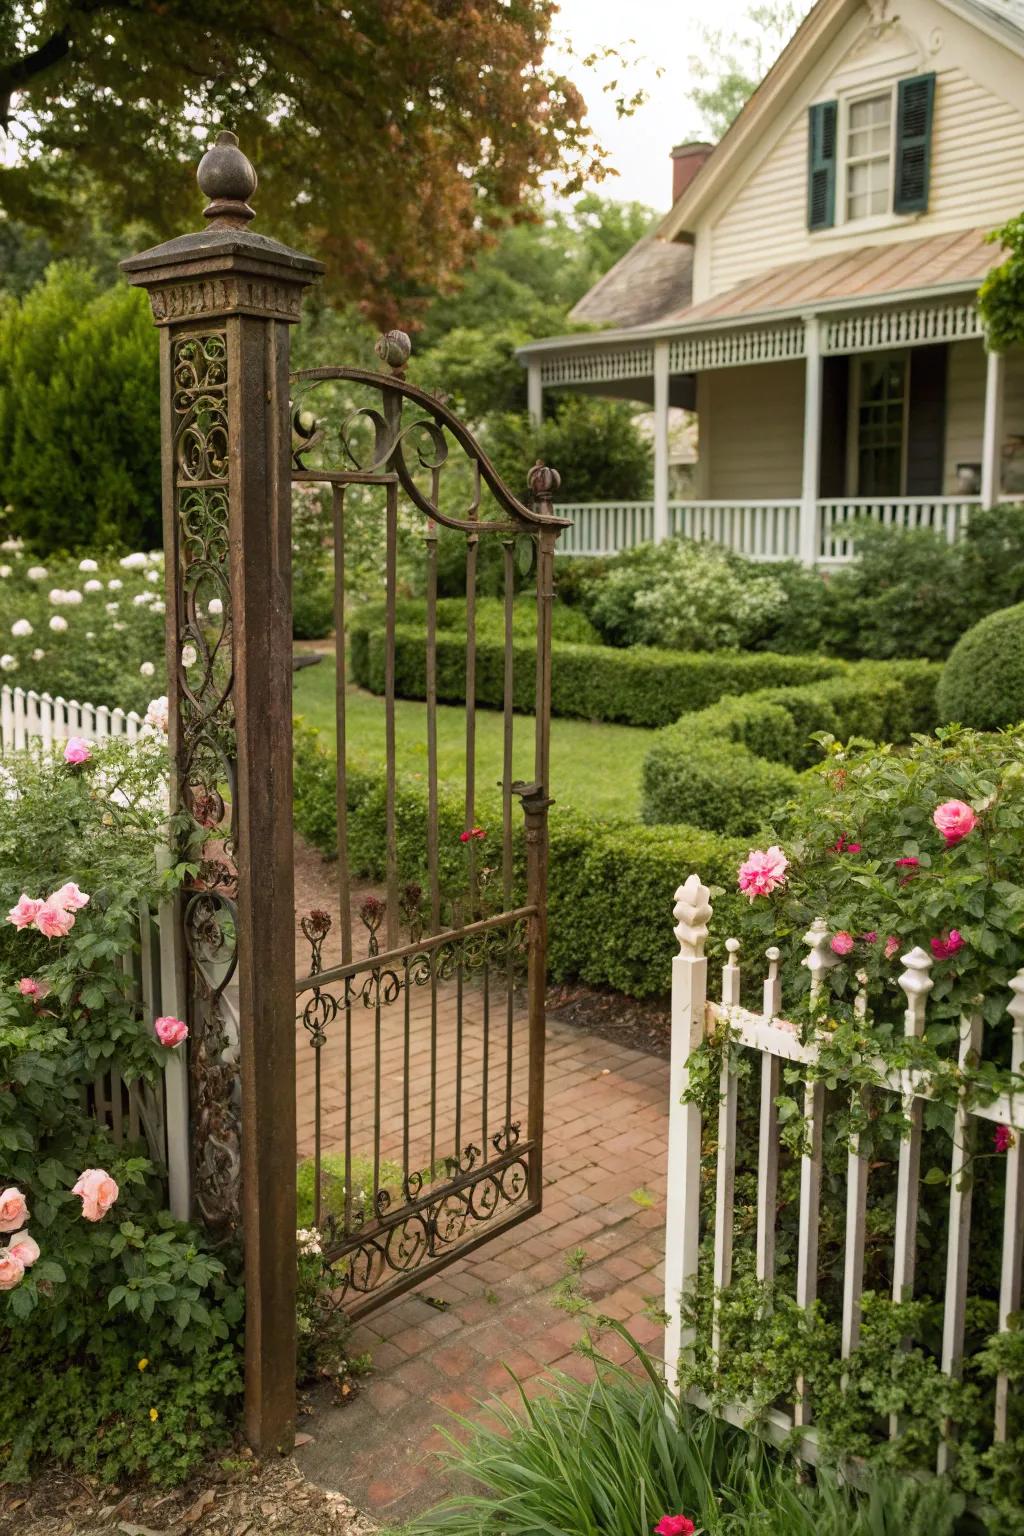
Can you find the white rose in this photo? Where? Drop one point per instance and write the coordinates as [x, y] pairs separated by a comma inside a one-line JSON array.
[[94, 586], [135, 562], [160, 607], [156, 714], [10, 546], [117, 624], [20, 628], [73, 596], [5, 571], [90, 635], [57, 596], [88, 565], [38, 655], [58, 623], [112, 607], [141, 599], [152, 575], [115, 584], [36, 573], [8, 662], [189, 655], [216, 606], [147, 669]]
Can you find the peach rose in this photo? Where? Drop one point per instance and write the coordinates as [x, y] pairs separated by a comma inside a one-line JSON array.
[[13, 1210], [12, 1270], [98, 1193], [24, 1248]]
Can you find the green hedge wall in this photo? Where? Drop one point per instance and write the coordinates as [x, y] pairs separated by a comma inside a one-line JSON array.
[[611, 883], [728, 766], [591, 682]]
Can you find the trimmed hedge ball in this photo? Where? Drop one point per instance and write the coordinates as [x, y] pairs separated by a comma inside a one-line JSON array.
[[982, 683]]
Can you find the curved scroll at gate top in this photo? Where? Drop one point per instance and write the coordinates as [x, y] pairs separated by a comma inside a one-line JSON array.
[[423, 1004], [402, 431]]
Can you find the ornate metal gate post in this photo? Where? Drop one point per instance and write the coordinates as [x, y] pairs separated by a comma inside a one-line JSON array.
[[224, 299]]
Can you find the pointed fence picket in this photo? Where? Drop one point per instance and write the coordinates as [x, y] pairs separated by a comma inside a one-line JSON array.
[[778, 1040], [37, 722]]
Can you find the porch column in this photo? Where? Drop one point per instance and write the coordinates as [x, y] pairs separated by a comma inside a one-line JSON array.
[[992, 434], [809, 531], [661, 529], [534, 393]]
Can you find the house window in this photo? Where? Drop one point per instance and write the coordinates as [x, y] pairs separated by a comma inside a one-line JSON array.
[[881, 424], [869, 156]]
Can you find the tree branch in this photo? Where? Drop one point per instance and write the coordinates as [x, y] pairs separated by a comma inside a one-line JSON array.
[[16, 75]]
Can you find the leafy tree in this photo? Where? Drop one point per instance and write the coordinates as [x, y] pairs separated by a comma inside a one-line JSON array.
[[388, 134], [594, 444], [731, 65], [80, 414], [1001, 295]]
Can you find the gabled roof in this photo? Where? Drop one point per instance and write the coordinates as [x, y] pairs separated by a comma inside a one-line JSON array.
[[653, 281]]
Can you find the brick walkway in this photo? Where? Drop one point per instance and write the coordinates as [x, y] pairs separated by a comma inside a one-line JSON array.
[[606, 1129]]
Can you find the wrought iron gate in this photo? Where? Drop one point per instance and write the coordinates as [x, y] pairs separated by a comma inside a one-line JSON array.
[[428, 1078]]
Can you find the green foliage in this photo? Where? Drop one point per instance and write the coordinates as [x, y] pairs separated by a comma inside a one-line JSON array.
[[332, 1185], [114, 627], [595, 445], [640, 686], [136, 1285], [730, 65], [982, 683], [1001, 295], [612, 1457], [729, 766], [79, 415]]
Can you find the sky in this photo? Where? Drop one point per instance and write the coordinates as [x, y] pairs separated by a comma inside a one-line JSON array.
[[665, 33]]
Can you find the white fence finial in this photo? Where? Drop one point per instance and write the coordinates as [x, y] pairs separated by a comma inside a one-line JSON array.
[[916, 980], [692, 912], [821, 958]]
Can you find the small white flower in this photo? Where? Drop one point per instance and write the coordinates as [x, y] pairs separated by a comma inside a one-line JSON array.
[[10, 546], [73, 596], [88, 565], [153, 576], [147, 669], [117, 624], [135, 562], [38, 655], [90, 634], [36, 573], [160, 607], [112, 607], [57, 595], [58, 623], [8, 662], [5, 571], [216, 606], [142, 598], [20, 628], [189, 655], [115, 584], [9, 784], [94, 586]]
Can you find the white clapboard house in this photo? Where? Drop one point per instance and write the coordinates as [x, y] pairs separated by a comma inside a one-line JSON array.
[[811, 293]]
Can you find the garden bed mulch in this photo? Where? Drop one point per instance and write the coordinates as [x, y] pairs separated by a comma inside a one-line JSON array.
[[232, 1495], [643, 1025]]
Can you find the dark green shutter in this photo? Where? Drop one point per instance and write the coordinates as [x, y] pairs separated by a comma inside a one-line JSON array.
[[913, 143], [821, 166]]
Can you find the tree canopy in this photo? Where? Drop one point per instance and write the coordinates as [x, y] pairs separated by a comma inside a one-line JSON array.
[[731, 65], [388, 134]]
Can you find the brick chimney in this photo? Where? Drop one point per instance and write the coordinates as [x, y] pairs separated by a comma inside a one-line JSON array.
[[687, 160]]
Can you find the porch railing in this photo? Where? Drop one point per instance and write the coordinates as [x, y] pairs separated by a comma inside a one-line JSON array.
[[765, 529]]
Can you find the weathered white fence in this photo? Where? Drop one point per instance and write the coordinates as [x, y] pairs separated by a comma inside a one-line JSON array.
[[28, 717], [775, 1040], [32, 721]]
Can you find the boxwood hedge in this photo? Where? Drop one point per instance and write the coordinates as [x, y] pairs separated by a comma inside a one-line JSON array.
[[729, 766], [640, 686]]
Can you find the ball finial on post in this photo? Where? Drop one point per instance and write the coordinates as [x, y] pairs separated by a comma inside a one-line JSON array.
[[543, 482], [227, 178]]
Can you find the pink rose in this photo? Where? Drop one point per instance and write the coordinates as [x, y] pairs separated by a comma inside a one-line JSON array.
[[1003, 1139], [24, 1248], [842, 846], [892, 945], [762, 872], [36, 990], [69, 897], [871, 937], [954, 820], [945, 948], [25, 913], [674, 1525], [77, 750], [170, 1031], [12, 1270], [98, 1192], [13, 1210], [53, 920], [842, 943]]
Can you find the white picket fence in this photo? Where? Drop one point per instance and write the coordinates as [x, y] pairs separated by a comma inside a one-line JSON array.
[[28, 717], [31, 721], [775, 1040]]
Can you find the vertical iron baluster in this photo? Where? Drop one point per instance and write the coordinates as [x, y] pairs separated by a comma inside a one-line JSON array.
[[348, 1106], [485, 1067], [433, 1061], [458, 1061], [317, 1169], [509, 726], [432, 860], [406, 1170], [376, 1094], [391, 917], [344, 888], [471, 552]]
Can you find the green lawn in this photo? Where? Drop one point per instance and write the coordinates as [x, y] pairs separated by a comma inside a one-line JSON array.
[[594, 767]]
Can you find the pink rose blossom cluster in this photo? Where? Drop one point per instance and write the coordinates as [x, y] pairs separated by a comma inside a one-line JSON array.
[[948, 945], [55, 916], [762, 872], [842, 846], [32, 989], [842, 943], [955, 820], [170, 1031], [674, 1525], [1003, 1138], [22, 1250]]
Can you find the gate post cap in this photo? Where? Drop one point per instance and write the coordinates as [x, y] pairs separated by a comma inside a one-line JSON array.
[[543, 481], [228, 179]]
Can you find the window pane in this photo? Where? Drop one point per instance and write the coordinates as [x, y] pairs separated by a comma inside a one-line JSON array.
[[868, 140], [880, 425]]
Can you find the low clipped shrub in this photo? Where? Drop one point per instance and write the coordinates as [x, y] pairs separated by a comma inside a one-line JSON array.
[[982, 683], [729, 767], [611, 883]]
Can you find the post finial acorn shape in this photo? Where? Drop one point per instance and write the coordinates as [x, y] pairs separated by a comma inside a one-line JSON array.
[[228, 179], [394, 348], [543, 482]]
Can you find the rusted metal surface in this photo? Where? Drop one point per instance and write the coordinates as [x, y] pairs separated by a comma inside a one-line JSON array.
[[431, 1167]]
